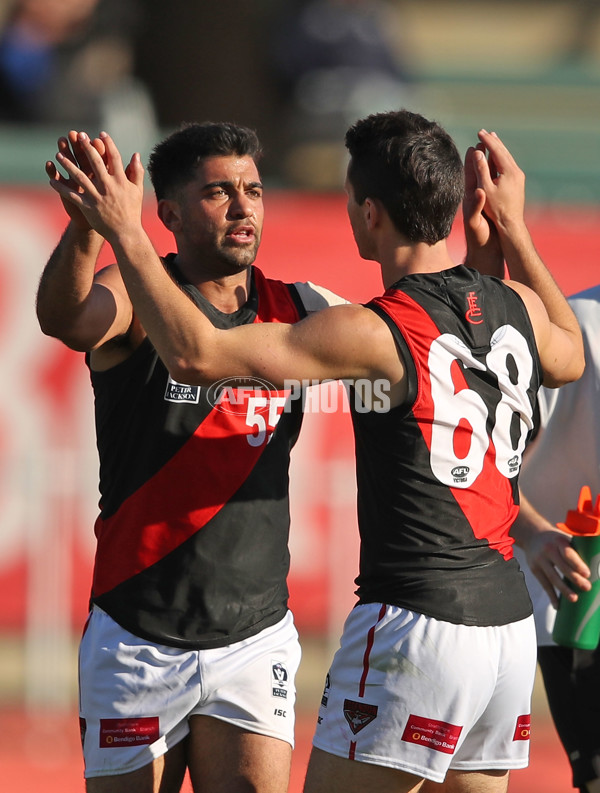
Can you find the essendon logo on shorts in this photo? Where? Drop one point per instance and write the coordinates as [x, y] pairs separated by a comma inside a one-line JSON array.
[[523, 728], [359, 714], [438, 735], [117, 733]]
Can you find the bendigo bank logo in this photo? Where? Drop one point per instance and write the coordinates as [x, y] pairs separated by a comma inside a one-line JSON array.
[[437, 735], [115, 733], [523, 728]]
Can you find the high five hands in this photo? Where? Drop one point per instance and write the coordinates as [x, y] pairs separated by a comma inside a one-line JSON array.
[[98, 190], [494, 202]]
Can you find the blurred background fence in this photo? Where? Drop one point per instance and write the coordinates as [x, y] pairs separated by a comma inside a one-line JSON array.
[[299, 73]]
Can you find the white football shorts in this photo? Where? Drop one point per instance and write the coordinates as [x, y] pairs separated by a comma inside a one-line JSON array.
[[136, 697], [410, 692]]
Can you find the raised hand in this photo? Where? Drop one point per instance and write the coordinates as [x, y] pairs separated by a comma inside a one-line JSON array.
[[484, 252], [70, 148], [501, 179], [108, 196]]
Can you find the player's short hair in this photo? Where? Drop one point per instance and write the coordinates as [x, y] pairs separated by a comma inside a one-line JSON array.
[[412, 166], [174, 160]]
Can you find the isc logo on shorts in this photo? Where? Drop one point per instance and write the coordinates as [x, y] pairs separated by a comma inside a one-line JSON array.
[[280, 680]]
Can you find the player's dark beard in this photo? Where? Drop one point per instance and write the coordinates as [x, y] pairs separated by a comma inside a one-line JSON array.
[[237, 258]]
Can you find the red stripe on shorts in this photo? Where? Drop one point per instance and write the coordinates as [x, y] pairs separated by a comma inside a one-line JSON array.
[[368, 648]]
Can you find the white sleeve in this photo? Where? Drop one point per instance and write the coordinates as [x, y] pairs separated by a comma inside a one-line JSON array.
[[314, 297]]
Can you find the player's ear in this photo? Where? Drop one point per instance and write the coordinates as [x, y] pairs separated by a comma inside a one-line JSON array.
[[372, 213], [170, 214]]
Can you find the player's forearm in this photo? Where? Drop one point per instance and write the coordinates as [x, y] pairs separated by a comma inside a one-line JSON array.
[[526, 266], [66, 282], [528, 524], [180, 333]]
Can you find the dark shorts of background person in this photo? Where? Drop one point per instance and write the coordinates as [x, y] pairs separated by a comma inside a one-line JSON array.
[[572, 683]]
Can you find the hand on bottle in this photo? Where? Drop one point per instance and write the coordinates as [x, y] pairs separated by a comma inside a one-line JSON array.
[[555, 562]]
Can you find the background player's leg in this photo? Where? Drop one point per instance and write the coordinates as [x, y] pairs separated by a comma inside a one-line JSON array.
[[223, 758], [164, 775]]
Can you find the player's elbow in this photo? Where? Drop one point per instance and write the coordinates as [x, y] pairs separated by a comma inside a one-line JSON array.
[[556, 380], [569, 373], [190, 371], [579, 370], [576, 365], [56, 328], [563, 357], [49, 322]]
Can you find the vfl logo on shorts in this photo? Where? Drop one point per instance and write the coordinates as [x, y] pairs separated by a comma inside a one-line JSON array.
[[180, 392], [325, 697], [280, 680], [523, 728], [118, 733], [359, 714], [438, 735]]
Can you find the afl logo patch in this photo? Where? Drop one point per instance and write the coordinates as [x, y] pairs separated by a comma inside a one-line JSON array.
[[231, 395], [513, 463], [459, 473]]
